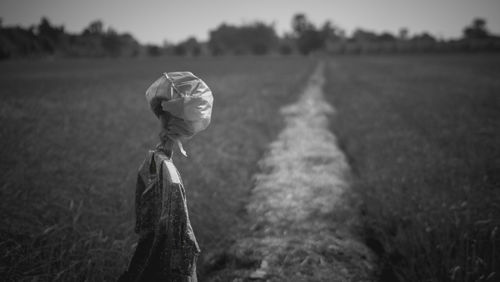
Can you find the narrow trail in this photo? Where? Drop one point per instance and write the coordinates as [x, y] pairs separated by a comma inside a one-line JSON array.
[[298, 214]]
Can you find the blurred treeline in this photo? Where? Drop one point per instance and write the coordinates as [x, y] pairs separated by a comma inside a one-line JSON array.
[[46, 39], [258, 38]]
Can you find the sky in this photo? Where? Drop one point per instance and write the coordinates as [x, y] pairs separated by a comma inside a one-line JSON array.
[[154, 21]]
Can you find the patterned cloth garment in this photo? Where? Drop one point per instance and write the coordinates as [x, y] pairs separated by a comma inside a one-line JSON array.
[[167, 249]]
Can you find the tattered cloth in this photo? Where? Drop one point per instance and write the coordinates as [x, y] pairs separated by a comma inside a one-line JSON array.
[[167, 248]]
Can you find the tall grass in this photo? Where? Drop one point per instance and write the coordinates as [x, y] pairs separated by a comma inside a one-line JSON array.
[[421, 133], [74, 132]]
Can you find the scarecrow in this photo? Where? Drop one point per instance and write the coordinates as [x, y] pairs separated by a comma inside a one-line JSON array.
[[167, 249]]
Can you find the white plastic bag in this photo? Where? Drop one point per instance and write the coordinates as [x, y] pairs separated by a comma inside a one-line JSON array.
[[187, 99]]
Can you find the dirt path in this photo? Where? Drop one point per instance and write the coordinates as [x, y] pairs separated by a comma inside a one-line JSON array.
[[298, 215]]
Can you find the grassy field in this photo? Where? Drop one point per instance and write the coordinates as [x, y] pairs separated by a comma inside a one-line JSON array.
[[422, 134], [74, 133]]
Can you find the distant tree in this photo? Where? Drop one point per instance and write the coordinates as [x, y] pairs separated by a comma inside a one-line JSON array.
[[477, 30], [90, 42], [263, 36], [301, 24], [111, 42], [167, 48], [286, 44], [95, 28], [50, 36], [193, 46], [196, 51], [94, 41], [424, 38], [216, 49], [364, 36], [129, 45], [308, 38], [223, 39], [190, 46], [257, 38], [424, 42], [330, 32], [48, 39], [403, 34], [180, 50], [153, 50], [47, 30], [386, 37]]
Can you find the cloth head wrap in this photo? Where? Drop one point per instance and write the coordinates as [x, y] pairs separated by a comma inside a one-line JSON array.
[[187, 99]]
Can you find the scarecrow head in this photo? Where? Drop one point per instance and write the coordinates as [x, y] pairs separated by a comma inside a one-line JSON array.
[[183, 103]]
